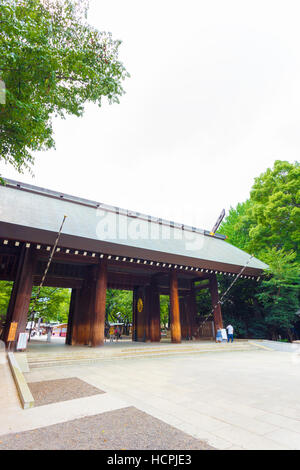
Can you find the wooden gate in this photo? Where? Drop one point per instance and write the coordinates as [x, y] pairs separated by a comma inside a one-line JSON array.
[[206, 331]]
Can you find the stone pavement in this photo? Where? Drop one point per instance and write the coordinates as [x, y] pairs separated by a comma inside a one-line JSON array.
[[281, 346], [231, 399]]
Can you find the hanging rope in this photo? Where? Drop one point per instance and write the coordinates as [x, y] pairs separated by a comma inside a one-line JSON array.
[[32, 313], [221, 300]]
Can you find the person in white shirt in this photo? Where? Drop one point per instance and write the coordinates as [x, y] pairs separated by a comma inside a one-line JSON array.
[[229, 329]]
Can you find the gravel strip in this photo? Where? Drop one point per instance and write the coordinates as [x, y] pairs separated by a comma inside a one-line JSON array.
[[124, 429], [53, 391]]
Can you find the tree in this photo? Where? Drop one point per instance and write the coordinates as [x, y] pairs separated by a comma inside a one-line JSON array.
[[164, 309], [242, 309], [52, 305], [271, 216], [119, 306], [280, 292], [5, 291], [268, 225], [274, 212], [237, 225], [52, 62]]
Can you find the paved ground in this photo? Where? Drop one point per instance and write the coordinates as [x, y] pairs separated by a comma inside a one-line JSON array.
[[282, 346], [231, 400]]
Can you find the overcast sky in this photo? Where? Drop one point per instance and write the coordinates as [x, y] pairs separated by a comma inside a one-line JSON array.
[[213, 100]]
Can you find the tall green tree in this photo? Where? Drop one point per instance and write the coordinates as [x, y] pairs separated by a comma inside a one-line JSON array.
[[237, 225], [52, 62], [268, 225], [279, 292], [274, 212], [271, 216]]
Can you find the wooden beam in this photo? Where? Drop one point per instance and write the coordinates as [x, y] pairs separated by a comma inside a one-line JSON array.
[[127, 279], [202, 286], [64, 283]]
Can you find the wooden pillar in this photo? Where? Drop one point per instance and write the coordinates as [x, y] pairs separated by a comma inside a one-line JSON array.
[[213, 287], [189, 314], [192, 312], [98, 307], [184, 323], [18, 307], [81, 310], [81, 319], [154, 312], [147, 311], [76, 317], [141, 314], [71, 316], [174, 313]]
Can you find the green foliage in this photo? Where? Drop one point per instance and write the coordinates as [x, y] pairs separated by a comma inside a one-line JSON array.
[[237, 225], [242, 309], [280, 291], [164, 309], [274, 214], [52, 62], [52, 305], [271, 217], [5, 291], [268, 225], [119, 306], [203, 300]]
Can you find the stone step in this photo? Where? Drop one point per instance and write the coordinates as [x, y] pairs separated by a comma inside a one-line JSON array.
[[35, 362], [136, 351], [146, 347]]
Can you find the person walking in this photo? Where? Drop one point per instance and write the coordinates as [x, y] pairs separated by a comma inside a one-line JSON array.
[[229, 329]]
